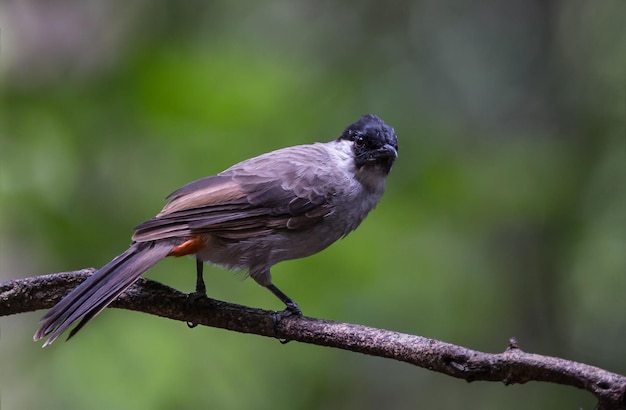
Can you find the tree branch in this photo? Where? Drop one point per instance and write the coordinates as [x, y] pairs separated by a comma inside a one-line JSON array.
[[510, 367]]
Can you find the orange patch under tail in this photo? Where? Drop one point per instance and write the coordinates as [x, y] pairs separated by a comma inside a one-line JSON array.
[[189, 247]]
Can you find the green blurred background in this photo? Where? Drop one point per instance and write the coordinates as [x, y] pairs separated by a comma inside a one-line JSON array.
[[504, 214]]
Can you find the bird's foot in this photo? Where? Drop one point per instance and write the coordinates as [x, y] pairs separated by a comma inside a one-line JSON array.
[[292, 309], [191, 299]]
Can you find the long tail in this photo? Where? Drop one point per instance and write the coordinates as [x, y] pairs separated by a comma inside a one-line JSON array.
[[100, 289]]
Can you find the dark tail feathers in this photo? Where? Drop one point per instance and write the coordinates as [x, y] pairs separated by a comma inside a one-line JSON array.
[[100, 289]]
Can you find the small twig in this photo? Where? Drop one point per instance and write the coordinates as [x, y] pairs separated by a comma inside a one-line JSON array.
[[513, 366]]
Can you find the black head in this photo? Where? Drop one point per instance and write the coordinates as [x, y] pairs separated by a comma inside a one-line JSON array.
[[375, 143]]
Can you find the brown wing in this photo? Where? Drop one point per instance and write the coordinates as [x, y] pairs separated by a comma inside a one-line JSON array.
[[249, 199]]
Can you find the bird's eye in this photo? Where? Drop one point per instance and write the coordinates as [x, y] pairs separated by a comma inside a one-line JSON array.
[[359, 142]]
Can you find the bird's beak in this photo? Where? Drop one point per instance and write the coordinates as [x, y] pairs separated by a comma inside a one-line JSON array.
[[387, 151]]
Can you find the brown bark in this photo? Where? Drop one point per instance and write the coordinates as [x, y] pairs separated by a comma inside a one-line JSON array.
[[510, 367]]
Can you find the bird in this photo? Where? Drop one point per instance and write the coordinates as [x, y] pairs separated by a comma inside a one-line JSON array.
[[285, 204]]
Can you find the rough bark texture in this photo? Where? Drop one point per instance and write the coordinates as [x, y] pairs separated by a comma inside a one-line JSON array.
[[511, 366]]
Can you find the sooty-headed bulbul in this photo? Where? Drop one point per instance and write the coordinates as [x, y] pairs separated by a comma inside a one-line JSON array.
[[286, 204]]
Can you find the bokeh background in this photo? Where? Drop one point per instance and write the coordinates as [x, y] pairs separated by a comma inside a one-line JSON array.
[[504, 214]]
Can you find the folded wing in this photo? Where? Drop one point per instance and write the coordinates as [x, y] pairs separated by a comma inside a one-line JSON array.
[[250, 199]]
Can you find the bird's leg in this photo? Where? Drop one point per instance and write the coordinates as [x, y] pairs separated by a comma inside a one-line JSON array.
[[292, 307], [200, 287]]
